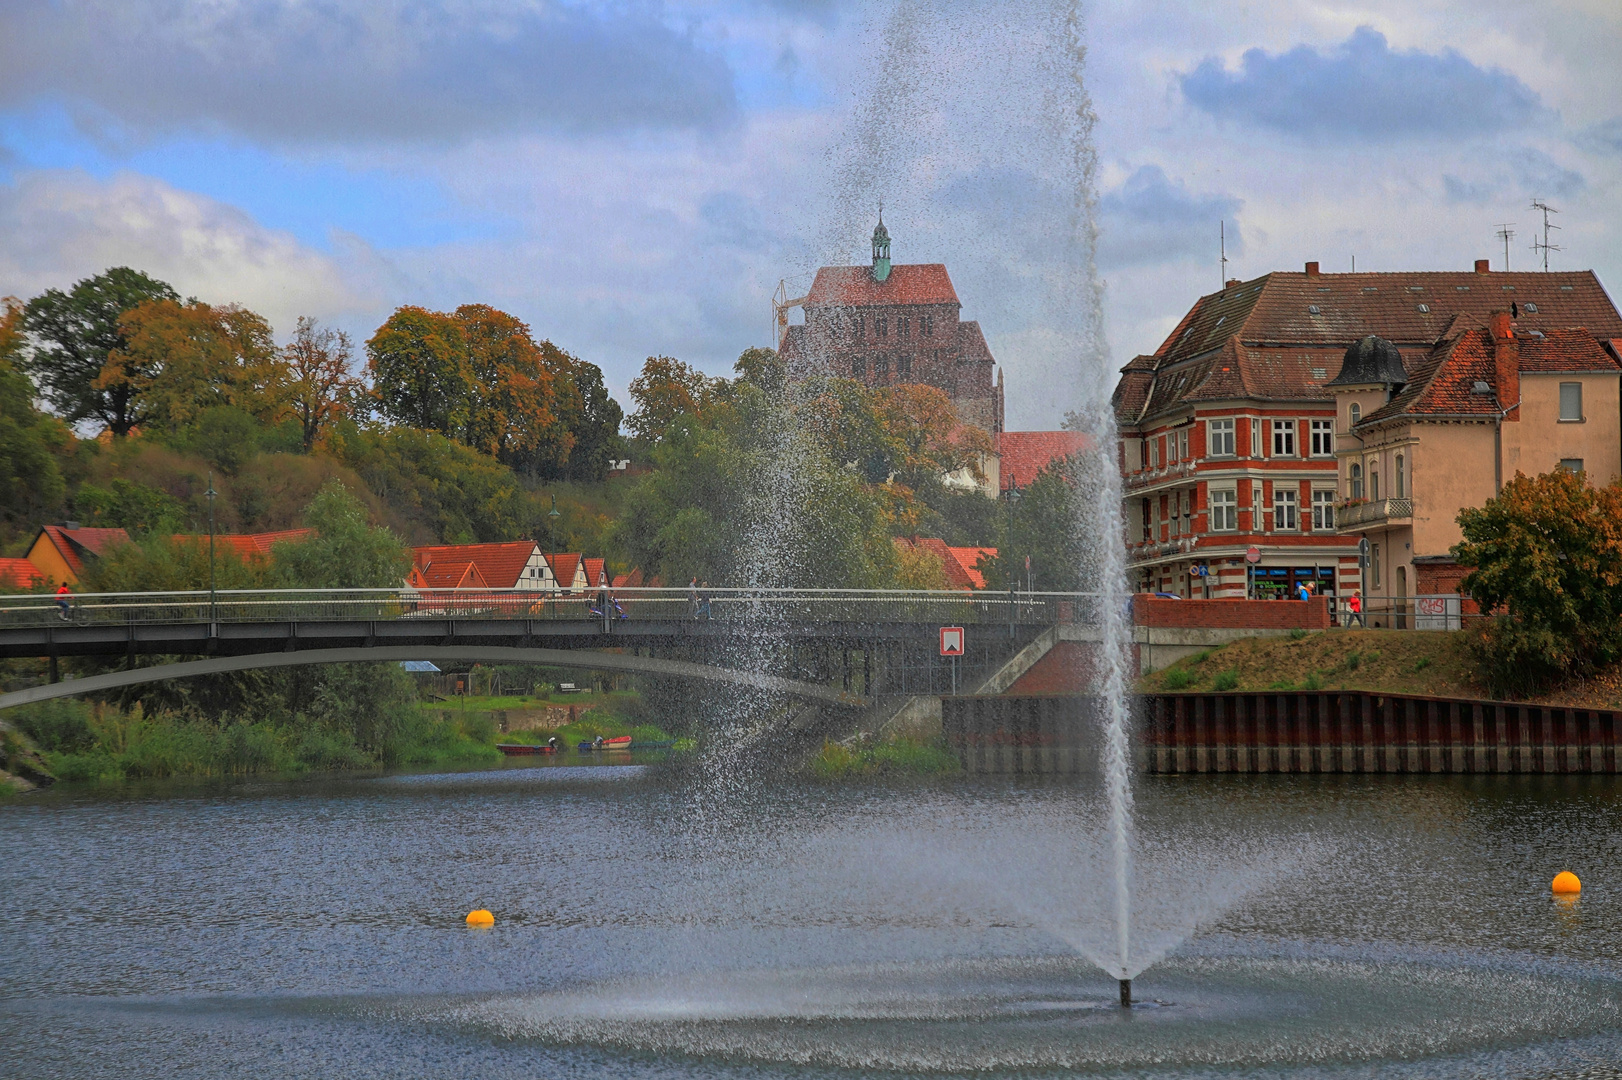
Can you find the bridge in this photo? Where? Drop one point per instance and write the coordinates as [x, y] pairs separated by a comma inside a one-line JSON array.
[[833, 647]]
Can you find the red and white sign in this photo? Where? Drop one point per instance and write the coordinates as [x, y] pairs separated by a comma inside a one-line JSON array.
[[1254, 555], [951, 641]]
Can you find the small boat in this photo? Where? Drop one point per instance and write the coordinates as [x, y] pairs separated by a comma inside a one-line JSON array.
[[517, 749], [618, 742]]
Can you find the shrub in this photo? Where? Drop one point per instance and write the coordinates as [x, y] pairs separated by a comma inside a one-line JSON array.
[[1298, 634], [1201, 658], [1227, 680], [1312, 682], [61, 726], [1177, 679]]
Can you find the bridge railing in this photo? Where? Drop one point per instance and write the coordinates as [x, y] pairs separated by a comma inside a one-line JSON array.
[[951, 607]]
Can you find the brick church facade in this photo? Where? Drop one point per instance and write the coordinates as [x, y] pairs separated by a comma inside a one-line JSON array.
[[887, 325]]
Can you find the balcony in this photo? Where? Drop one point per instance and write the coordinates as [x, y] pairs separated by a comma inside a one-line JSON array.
[[1355, 516], [1149, 477]]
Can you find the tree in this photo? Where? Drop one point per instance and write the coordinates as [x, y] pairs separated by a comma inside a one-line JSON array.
[[514, 393], [668, 389], [346, 552], [1043, 524], [591, 415], [76, 331], [180, 360], [31, 485], [450, 492], [763, 368], [419, 367], [320, 385], [1547, 555], [124, 504]]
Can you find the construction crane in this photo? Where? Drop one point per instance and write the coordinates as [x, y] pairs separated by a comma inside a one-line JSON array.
[[780, 308]]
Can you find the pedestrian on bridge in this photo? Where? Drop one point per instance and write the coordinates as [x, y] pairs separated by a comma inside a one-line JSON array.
[[692, 599], [704, 600]]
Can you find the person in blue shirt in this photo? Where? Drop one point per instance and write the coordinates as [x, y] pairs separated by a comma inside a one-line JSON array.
[[1303, 590]]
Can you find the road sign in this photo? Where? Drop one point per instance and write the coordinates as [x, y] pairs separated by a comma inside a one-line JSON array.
[[1254, 555], [951, 641]]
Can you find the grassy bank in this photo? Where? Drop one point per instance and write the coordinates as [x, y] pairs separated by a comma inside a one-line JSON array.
[[1390, 661], [906, 757], [86, 742]]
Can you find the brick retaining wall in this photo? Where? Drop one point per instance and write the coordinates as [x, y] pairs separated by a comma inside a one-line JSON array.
[[1161, 612]]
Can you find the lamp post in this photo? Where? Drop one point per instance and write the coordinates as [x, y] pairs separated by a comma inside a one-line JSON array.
[[1006, 553], [213, 610], [552, 523]]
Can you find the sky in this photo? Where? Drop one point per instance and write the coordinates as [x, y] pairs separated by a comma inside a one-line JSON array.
[[635, 178]]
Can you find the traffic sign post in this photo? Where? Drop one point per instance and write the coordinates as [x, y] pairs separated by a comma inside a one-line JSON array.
[[952, 645], [1252, 557]]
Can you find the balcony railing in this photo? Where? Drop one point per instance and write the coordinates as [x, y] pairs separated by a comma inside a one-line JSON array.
[[1352, 516]]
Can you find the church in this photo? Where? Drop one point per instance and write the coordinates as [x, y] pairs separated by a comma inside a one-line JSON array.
[[886, 325]]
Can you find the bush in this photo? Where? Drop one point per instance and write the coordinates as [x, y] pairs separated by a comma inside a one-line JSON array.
[[1298, 634], [1177, 679], [1227, 680], [62, 725]]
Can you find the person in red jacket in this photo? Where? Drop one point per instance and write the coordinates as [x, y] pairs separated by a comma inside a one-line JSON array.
[[62, 594], [1354, 610]]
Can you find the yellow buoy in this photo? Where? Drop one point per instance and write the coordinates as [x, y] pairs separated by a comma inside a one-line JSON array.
[[482, 917], [1566, 882]]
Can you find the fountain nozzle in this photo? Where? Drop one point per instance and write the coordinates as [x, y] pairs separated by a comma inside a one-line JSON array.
[[1126, 993]]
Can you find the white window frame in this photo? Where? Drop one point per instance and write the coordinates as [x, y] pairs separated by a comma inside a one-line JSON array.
[[1286, 509], [1323, 509], [1356, 413], [1573, 415], [1223, 509], [1323, 438], [1284, 432], [1354, 480], [1255, 436], [1399, 477], [1182, 444], [1219, 434]]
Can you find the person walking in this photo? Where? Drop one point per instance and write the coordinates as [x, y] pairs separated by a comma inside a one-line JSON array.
[[692, 599], [1354, 610], [62, 594], [704, 600]]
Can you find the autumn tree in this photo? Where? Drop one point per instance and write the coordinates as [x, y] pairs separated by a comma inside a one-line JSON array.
[[1547, 555], [591, 415], [319, 383], [179, 360], [75, 331], [668, 389]]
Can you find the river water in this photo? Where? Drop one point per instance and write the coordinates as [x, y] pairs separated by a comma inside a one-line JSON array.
[[1308, 926]]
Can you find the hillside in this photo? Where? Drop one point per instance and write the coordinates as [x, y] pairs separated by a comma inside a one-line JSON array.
[[1395, 661]]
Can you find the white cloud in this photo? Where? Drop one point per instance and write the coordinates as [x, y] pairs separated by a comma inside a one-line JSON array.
[[62, 226]]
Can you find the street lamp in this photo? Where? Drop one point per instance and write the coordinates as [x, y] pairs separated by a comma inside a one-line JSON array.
[[552, 523], [213, 611]]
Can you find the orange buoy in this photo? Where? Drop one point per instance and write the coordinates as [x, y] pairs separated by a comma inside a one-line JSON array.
[[482, 917], [1566, 882]]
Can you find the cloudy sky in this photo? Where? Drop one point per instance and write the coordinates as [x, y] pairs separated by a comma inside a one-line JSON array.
[[635, 178]]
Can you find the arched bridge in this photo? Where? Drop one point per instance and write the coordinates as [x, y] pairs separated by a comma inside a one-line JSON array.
[[841, 647]]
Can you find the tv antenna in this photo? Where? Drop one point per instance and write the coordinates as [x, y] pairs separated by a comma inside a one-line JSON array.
[[1222, 242], [1545, 247], [1506, 233]]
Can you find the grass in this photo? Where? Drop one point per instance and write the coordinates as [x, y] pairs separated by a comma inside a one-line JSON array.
[[1397, 661], [903, 757]]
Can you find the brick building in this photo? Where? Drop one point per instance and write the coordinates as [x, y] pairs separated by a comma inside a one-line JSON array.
[[1229, 432], [887, 325]]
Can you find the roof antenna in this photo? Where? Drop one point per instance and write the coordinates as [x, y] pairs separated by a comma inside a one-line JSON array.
[[1222, 240], [1506, 234], [1354, 264], [1545, 247]]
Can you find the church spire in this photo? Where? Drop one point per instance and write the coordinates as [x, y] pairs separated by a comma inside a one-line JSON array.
[[881, 249]]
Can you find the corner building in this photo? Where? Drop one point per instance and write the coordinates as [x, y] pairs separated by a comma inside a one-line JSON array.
[[885, 325], [1231, 437]]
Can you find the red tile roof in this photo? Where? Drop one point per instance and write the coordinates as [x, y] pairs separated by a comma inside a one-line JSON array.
[[853, 286], [74, 544], [632, 580], [501, 565], [1269, 337], [19, 574], [563, 567], [1023, 454], [448, 574], [594, 573], [247, 545], [960, 564]]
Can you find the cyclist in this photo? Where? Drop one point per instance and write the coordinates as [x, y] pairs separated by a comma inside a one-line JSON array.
[[62, 594]]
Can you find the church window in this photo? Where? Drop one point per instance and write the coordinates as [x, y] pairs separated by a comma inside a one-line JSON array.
[[858, 368], [903, 366], [903, 327], [881, 368], [881, 326], [926, 325], [858, 326]]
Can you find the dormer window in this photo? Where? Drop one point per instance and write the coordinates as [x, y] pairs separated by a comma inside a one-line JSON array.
[[1530, 308], [1313, 309], [1424, 309]]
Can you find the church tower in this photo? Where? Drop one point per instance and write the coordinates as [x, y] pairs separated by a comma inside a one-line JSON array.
[[881, 251]]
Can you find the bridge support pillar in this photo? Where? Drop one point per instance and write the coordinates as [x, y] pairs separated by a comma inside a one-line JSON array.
[[56, 675]]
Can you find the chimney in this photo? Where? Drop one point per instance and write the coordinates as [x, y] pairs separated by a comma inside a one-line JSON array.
[[1230, 283], [1312, 269], [1506, 363], [1481, 266]]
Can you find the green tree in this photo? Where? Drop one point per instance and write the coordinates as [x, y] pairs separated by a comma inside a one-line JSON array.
[[1043, 523], [31, 484], [125, 504], [450, 493], [419, 367], [666, 390], [346, 552], [1547, 555], [593, 417], [75, 332]]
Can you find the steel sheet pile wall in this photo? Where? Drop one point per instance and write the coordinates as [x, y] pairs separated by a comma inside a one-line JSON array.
[[1054, 733], [1345, 731]]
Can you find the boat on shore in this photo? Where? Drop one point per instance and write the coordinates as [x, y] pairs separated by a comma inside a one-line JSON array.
[[618, 742], [522, 749]]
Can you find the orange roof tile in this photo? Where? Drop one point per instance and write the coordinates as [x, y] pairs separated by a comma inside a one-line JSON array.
[[960, 564], [594, 573], [1023, 454], [853, 286], [501, 565], [19, 574], [563, 567], [451, 574], [969, 559], [247, 545], [74, 544]]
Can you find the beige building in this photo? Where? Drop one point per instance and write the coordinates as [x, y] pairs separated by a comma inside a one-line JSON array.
[[1418, 442]]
